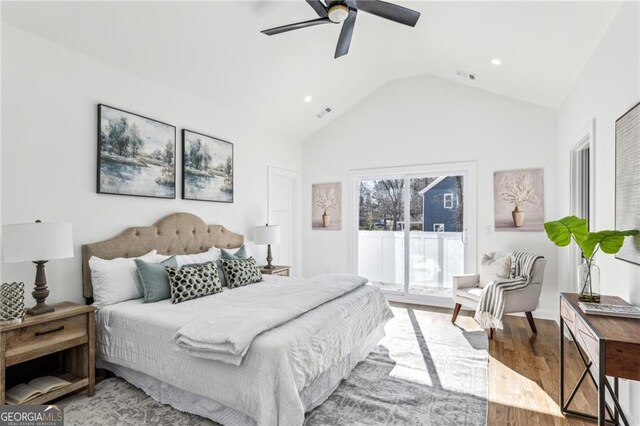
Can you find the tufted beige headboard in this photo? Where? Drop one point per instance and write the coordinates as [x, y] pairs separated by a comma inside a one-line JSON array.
[[179, 233]]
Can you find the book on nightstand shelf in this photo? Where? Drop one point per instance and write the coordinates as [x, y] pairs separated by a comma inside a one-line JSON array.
[[25, 392], [624, 311]]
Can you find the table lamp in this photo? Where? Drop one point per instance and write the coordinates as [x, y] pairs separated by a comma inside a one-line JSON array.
[[38, 243], [267, 235]]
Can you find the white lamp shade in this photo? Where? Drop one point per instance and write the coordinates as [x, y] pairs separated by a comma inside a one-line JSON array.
[[28, 242], [266, 234]]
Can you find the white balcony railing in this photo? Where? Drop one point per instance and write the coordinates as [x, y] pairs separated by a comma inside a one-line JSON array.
[[435, 257]]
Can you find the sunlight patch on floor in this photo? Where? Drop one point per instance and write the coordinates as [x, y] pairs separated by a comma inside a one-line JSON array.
[[413, 368], [429, 354], [529, 393]]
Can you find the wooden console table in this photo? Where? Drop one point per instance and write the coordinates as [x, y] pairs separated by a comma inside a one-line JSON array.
[[608, 346]]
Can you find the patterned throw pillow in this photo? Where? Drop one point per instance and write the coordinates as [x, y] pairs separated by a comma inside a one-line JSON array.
[[190, 282], [241, 272]]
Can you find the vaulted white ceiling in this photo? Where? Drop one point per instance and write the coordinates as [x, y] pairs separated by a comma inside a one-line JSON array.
[[214, 50]]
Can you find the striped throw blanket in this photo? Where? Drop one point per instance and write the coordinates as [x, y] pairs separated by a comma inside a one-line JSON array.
[[491, 306]]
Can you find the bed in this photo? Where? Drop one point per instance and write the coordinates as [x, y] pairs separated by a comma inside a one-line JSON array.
[[288, 369]]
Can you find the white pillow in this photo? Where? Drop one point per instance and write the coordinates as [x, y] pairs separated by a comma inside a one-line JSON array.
[[208, 256], [115, 280], [494, 269], [250, 249]]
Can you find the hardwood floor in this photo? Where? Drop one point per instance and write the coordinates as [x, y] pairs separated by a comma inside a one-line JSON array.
[[524, 371]]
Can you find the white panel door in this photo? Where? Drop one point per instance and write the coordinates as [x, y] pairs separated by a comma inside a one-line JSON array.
[[283, 208]]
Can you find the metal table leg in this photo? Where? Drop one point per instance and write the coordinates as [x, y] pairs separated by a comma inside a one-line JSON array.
[[601, 384]]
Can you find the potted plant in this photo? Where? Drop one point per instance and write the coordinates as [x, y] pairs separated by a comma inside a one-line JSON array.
[[518, 190], [326, 200], [562, 231]]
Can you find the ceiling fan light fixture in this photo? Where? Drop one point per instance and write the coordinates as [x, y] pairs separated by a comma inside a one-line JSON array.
[[344, 12], [338, 13]]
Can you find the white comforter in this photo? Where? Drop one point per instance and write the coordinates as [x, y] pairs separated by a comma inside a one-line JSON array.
[[225, 332], [271, 385]]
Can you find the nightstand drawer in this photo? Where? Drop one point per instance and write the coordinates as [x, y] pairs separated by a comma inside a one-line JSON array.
[[284, 273], [32, 341]]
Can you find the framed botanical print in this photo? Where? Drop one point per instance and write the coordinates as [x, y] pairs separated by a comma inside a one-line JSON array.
[[326, 206], [518, 200], [207, 168], [136, 155]]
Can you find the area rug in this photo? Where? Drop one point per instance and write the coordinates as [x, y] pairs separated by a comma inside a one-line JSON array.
[[422, 373]]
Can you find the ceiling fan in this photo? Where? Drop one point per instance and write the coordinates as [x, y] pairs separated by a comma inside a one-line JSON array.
[[344, 12]]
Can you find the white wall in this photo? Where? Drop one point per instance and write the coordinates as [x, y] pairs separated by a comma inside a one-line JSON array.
[[608, 86], [425, 120], [49, 151], [0, 150]]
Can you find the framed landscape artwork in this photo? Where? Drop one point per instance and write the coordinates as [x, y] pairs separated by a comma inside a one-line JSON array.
[[518, 200], [136, 155], [207, 168], [326, 208], [628, 181]]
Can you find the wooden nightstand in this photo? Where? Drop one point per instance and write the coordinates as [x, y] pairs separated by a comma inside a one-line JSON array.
[[60, 343], [281, 270]]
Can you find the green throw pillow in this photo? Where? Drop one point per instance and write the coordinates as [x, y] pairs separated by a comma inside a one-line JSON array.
[[223, 279], [241, 253], [154, 279]]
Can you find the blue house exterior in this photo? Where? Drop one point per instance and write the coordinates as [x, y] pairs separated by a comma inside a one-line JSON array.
[[441, 206]]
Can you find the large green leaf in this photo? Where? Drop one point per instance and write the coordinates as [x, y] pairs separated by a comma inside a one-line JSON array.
[[560, 231], [609, 241]]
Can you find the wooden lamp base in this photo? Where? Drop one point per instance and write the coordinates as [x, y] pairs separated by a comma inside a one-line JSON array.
[[269, 258], [40, 293]]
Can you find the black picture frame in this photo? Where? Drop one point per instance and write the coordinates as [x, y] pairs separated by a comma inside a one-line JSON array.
[[112, 168], [630, 251], [192, 177]]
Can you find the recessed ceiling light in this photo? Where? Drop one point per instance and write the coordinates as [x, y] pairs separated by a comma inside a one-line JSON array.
[[496, 61], [307, 99]]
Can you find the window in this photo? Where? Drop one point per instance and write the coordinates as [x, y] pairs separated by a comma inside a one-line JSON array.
[[448, 201], [438, 227]]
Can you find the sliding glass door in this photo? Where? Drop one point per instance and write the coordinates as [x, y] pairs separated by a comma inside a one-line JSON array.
[[381, 239], [437, 244], [413, 229]]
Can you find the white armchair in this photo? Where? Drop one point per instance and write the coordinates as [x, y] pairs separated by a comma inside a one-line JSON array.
[[467, 290]]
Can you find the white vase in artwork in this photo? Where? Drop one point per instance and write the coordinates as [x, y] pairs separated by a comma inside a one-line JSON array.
[[518, 217], [326, 219]]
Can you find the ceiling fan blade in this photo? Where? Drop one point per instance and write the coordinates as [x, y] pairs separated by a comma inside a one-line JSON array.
[[389, 11], [346, 33], [296, 26], [320, 8]]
